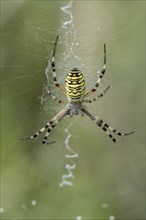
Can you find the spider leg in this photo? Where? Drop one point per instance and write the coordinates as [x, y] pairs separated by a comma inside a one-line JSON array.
[[97, 97], [54, 121], [52, 96], [58, 86], [105, 127], [50, 125], [37, 133], [101, 74]]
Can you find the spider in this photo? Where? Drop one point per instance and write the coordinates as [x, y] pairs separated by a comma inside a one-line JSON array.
[[75, 92]]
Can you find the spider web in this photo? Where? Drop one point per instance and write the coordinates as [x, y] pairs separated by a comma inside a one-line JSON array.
[[100, 188]]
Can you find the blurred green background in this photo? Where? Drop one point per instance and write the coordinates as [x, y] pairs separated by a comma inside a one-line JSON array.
[[109, 178]]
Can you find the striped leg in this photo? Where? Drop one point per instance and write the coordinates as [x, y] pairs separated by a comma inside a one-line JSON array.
[[101, 74], [58, 86], [97, 97], [52, 96], [105, 127], [50, 125], [55, 121]]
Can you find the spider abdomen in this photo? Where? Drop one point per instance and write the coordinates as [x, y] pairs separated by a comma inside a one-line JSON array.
[[75, 85]]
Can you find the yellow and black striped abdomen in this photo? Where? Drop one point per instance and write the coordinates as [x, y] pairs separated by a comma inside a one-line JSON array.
[[75, 85]]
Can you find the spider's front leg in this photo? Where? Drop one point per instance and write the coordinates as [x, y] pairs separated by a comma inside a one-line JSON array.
[[50, 125], [65, 111], [103, 125]]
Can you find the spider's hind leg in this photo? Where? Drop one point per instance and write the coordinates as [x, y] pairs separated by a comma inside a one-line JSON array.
[[97, 97], [101, 74], [52, 96], [56, 83]]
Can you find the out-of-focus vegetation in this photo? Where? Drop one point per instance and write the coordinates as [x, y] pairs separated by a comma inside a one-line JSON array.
[[109, 178]]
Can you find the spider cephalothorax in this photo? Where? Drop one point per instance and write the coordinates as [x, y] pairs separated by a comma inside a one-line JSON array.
[[75, 93]]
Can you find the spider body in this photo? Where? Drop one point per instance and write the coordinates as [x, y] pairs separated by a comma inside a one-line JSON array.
[[75, 86], [75, 93], [75, 108]]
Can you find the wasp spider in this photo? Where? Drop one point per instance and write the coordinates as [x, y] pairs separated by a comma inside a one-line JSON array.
[[75, 93]]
